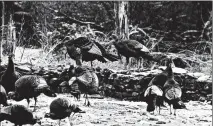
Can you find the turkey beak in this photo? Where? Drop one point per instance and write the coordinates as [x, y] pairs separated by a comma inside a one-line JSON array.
[[10, 95], [54, 95], [76, 109]]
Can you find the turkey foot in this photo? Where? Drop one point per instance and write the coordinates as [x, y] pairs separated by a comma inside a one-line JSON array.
[[175, 112], [88, 104], [34, 106]]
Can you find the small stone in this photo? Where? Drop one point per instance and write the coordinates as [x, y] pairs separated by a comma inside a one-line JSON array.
[[204, 120], [153, 119], [160, 122], [59, 69], [202, 99]]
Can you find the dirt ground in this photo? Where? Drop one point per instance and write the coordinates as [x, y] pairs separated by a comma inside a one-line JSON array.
[[112, 112]]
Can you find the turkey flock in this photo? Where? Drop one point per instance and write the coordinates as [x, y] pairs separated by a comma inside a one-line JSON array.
[[83, 80]]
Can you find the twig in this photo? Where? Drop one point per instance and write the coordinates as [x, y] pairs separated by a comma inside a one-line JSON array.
[[22, 53], [68, 19], [53, 48]]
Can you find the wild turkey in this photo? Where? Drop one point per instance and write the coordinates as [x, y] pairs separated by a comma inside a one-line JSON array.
[[30, 86], [87, 80], [83, 49], [160, 79], [100, 76], [172, 92], [3, 96], [76, 94], [10, 76], [153, 96], [75, 90], [155, 86], [131, 48], [18, 114], [61, 108]]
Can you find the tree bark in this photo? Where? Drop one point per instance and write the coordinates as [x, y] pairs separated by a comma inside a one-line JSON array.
[[2, 31], [121, 16]]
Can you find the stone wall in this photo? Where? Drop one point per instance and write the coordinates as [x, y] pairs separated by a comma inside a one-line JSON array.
[[129, 85]]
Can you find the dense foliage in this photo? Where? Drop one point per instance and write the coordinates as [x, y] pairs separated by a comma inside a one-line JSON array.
[[179, 21]]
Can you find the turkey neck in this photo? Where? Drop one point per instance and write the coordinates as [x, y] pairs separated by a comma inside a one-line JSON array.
[[17, 97], [170, 72], [5, 116], [10, 67]]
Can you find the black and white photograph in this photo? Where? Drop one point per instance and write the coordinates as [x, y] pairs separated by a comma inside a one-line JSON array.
[[106, 63]]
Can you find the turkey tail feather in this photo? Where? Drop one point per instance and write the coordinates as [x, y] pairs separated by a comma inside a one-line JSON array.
[[178, 104], [148, 56], [154, 90], [151, 103], [111, 57], [153, 96], [159, 101], [95, 50]]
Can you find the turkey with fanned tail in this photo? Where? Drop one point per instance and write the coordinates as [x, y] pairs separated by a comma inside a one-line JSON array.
[[173, 92], [153, 95], [87, 81]]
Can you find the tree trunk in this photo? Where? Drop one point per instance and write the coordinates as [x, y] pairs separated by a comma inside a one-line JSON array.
[[2, 31], [121, 16], [116, 11], [11, 37], [14, 37]]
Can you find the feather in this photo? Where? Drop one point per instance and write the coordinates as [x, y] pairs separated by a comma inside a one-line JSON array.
[[178, 104], [10, 76], [145, 49], [153, 96], [30, 86], [87, 81], [61, 108], [18, 114], [153, 90], [71, 81], [151, 101], [3, 96], [95, 50], [172, 90], [86, 78], [173, 93]]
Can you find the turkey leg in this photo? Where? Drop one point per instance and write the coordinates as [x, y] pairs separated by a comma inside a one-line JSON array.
[[127, 62], [28, 102], [35, 103]]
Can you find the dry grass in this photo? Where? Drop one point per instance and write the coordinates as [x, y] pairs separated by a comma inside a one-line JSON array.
[[38, 57]]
